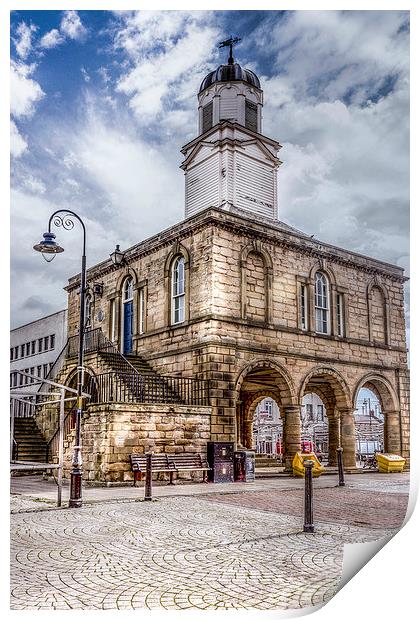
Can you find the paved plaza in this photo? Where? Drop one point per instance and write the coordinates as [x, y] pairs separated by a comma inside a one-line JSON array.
[[195, 546]]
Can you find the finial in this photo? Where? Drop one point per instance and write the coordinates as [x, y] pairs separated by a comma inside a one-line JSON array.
[[231, 42]]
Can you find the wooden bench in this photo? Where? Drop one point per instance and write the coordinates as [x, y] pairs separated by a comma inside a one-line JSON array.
[[189, 462], [160, 463]]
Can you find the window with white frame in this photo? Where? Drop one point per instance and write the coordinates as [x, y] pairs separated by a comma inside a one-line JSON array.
[[128, 289], [142, 310], [340, 314], [178, 291], [322, 310], [320, 413], [112, 332], [303, 307]]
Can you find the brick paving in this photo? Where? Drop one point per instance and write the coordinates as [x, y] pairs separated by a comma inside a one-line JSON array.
[[333, 505], [176, 553], [242, 549]]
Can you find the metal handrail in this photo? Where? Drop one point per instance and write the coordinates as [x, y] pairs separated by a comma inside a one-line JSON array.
[[133, 387], [95, 341], [56, 367]]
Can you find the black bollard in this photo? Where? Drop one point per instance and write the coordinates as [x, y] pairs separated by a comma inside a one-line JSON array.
[[308, 525], [341, 482], [148, 484]]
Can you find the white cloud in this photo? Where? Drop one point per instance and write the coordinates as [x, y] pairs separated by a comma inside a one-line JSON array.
[[23, 42], [85, 74], [333, 54], [71, 25], [169, 55], [35, 186], [25, 92], [18, 144], [51, 39]]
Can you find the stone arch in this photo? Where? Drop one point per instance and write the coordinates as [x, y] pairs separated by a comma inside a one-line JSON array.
[[128, 272], [176, 250], [287, 391], [390, 406], [252, 288], [329, 384], [378, 312], [256, 380], [321, 266], [380, 386]]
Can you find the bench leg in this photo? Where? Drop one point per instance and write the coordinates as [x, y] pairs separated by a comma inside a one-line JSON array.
[[205, 477], [171, 477]]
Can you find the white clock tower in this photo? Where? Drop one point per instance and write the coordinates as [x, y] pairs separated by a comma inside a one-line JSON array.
[[231, 164]]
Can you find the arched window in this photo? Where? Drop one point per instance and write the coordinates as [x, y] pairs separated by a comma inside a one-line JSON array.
[[322, 307], [178, 291], [128, 290]]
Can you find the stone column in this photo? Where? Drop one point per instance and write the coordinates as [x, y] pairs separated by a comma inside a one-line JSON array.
[[348, 438], [292, 434], [333, 436], [247, 431], [392, 435]]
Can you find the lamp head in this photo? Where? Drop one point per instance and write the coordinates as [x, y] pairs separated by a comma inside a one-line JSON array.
[[48, 247], [117, 256]]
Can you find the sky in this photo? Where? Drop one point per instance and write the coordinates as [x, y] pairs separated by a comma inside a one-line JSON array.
[[102, 102]]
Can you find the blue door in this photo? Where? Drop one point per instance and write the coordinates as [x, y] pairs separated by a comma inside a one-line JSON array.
[[128, 327]]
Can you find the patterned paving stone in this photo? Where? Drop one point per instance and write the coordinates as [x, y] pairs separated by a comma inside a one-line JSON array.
[[175, 553]]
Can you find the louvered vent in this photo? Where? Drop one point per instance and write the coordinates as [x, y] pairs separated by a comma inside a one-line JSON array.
[[208, 116], [251, 111]]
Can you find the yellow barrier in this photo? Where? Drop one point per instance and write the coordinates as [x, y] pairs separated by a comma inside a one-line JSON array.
[[388, 463], [299, 468]]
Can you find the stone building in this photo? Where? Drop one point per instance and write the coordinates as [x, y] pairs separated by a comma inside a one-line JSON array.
[[234, 297]]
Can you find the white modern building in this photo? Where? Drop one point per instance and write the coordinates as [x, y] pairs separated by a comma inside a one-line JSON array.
[[34, 347]]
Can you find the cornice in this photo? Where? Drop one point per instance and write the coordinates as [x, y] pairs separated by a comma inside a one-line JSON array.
[[253, 229]]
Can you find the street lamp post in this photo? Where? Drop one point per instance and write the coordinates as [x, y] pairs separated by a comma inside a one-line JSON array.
[[49, 248]]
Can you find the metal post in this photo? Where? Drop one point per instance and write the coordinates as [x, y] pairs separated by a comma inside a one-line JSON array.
[[341, 482], [76, 472], [148, 484], [60, 450], [308, 525]]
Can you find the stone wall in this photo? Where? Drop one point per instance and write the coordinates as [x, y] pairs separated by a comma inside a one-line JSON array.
[[113, 431]]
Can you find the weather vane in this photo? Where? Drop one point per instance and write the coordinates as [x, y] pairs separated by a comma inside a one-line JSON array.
[[231, 42]]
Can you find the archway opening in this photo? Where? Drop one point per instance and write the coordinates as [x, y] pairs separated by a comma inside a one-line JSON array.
[[369, 425], [315, 427], [261, 381], [327, 392], [267, 429]]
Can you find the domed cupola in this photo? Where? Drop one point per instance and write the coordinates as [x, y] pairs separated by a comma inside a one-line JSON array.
[[230, 73], [231, 164], [230, 93]]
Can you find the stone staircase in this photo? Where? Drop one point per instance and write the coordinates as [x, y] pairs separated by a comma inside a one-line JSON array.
[[148, 386], [31, 444], [262, 460]]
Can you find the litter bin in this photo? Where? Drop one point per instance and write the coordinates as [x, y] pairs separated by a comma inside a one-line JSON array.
[[389, 463], [299, 468], [244, 466]]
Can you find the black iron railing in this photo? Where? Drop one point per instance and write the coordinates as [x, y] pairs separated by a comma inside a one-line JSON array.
[[132, 388], [95, 341]]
